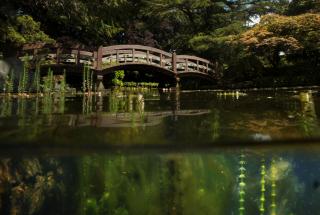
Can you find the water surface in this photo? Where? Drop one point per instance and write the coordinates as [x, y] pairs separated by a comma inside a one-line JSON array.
[[253, 152]]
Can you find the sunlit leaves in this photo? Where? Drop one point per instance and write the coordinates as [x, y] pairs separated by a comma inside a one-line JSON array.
[[25, 30], [276, 34]]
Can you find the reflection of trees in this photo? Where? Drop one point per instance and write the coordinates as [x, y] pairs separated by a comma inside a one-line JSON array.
[[6, 106], [308, 117]]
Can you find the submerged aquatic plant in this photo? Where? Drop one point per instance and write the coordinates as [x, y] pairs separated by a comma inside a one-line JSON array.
[[273, 187], [242, 184], [263, 187]]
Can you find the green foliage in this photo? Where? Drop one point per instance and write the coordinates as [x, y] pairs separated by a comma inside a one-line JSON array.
[[263, 187], [87, 79], [36, 85], [48, 82], [242, 184], [24, 77], [23, 29], [297, 7], [281, 34], [273, 188], [118, 78]]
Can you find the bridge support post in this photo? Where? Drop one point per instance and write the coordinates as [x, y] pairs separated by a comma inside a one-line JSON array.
[[99, 58], [99, 83], [174, 68], [174, 62]]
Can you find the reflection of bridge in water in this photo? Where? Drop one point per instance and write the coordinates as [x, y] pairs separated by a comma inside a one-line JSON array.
[[108, 59], [134, 119]]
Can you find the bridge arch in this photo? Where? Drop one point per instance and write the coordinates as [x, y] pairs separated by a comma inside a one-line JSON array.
[[104, 60]]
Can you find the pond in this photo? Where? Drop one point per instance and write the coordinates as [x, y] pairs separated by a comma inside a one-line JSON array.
[[151, 152]]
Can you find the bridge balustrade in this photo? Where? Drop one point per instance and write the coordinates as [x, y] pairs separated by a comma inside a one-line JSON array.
[[107, 57]]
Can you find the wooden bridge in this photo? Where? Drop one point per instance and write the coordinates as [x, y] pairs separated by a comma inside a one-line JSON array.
[[112, 58]]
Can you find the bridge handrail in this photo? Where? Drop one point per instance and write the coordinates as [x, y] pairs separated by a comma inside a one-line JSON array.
[[124, 54], [106, 49], [191, 57]]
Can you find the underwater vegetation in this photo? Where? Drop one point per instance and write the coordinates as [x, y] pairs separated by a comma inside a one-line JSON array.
[[242, 184], [263, 187]]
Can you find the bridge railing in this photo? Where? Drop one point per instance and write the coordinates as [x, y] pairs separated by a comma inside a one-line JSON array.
[[107, 57], [131, 54], [187, 63], [55, 55]]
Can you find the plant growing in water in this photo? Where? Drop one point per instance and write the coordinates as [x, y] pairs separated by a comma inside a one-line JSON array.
[[273, 187], [87, 76], [242, 184], [118, 78], [263, 186], [48, 82], [24, 78], [36, 79]]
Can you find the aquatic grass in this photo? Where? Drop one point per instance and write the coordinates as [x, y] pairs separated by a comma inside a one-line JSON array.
[[273, 188], [48, 82], [63, 84], [263, 187], [24, 77], [47, 103], [87, 79], [36, 87], [242, 184]]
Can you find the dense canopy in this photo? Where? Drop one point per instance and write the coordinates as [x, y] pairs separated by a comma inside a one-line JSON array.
[[225, 31]]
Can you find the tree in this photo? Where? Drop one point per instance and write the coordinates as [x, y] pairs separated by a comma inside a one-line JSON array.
[[19, 31], [283, 34], [297, 7]]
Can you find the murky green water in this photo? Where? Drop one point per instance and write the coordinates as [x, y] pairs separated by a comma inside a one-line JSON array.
[[252, 152]]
